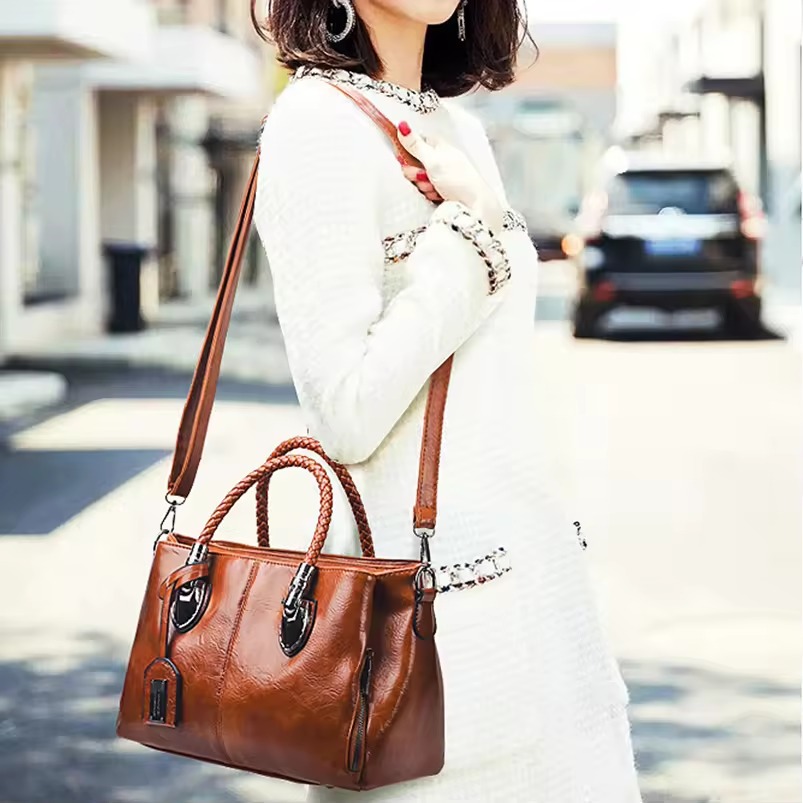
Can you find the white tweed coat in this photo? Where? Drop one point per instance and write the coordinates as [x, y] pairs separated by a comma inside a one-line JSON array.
[[536, 707]]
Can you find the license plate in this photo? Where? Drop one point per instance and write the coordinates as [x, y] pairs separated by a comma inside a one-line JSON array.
[[673, 248]]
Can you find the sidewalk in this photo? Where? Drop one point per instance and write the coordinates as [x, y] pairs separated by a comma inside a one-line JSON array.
[[254, 348], [26, 391]]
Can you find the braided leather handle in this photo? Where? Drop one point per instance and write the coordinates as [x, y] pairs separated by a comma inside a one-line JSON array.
[[265, 471], [342, 473], [198, 407]]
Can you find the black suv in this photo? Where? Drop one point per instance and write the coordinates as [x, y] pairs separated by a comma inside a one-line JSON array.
[[672, 238]]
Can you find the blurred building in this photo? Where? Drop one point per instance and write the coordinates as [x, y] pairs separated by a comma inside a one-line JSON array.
[[128, 121], [724, 83], [551, 125]]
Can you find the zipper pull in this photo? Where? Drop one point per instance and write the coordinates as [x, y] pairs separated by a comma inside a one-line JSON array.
[[365, 680]]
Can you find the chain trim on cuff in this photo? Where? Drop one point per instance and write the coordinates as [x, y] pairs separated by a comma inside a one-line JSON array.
[[485, 243], [513, 221], [400, 246]]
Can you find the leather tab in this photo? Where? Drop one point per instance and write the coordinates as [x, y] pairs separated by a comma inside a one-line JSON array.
[[161, 703], [424, 623], [180, 577]]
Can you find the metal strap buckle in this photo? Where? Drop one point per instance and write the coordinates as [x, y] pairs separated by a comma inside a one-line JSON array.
[[425, 533], [172, 507]]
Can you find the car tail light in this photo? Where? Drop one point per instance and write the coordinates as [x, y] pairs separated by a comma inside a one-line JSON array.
[[743, 288], [572, 245], [604, 291], [751, 214]]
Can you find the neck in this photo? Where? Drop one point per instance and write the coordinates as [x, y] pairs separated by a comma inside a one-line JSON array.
[[399, 43]]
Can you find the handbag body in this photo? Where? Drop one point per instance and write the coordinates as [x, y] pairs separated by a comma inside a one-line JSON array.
[[316, 668]]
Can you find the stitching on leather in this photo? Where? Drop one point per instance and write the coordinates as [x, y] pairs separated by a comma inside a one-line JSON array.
[[329, 570], [227, 660]]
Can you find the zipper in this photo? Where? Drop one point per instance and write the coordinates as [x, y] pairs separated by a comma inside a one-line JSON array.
[[360, 726]]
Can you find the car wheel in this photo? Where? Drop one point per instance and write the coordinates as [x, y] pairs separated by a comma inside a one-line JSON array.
[[742, 318]]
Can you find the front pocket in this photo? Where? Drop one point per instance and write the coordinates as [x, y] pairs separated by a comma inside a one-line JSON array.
[[359, 730]]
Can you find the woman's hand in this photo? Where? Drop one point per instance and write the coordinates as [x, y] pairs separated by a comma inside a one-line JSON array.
[[449, 175]]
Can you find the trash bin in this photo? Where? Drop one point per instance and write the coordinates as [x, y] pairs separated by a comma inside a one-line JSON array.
[[124, 262]]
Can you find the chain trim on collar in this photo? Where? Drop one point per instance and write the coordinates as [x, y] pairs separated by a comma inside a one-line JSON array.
[[422, 102]]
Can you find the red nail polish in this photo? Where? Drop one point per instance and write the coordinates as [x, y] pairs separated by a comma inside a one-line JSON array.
[[404, 128], [421, 176], [400, 160]]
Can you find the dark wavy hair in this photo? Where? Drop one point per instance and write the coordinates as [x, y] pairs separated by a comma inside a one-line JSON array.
[[495, 30]]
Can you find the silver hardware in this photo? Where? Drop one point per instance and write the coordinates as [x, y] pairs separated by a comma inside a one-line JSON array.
[[492, 252], [174, 500], [461, 21], [460, 576], [425, 533], [425, 573], [171, 515], [189, 604], [423, 102], [400, 246], [298, 588], [513, 221], [298, 615], [198, 553], [348, 7]]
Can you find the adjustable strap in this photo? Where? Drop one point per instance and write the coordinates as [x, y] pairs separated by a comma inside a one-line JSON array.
[[198, 407]]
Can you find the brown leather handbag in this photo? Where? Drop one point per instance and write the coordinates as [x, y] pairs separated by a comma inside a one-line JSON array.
[[316, 668]]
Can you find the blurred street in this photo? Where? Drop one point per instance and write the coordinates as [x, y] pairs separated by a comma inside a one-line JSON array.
[[680, 457], [653, 152]]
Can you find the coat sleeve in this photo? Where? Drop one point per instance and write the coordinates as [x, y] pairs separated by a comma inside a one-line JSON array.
[[520, 250], [356, 362]]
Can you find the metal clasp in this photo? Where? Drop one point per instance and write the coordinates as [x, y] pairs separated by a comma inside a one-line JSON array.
[[425, 533], [169, 516], [298, 588]]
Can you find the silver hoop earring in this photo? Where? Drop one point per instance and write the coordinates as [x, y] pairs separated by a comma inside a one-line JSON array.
[[351, 17], [461, 21]]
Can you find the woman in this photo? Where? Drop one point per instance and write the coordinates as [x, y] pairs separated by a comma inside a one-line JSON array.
[[380, 273]]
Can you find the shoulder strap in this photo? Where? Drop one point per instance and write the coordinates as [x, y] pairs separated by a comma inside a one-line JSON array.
[[198, 407]]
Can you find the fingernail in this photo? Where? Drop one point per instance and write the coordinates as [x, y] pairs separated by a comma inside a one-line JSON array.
[[421, 176], [404, 128], [400, 160]]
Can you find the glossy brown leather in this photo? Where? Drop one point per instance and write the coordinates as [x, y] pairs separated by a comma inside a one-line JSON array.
[[269, 673], [245, 704]]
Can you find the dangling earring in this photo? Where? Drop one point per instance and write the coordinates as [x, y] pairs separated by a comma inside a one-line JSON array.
[[461, 21], [347, 6]]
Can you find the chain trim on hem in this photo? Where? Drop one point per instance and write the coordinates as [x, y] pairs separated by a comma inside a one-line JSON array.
[[461, 576]]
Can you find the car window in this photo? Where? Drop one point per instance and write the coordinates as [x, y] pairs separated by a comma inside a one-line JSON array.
[[695, 192]]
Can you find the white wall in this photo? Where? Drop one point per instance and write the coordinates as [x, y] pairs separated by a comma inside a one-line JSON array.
[[12, 78], [782, 70]]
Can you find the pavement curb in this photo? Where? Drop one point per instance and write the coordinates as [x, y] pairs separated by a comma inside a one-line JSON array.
[[23, 392]]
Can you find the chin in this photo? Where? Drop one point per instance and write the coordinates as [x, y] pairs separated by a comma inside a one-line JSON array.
[[429, 12]]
